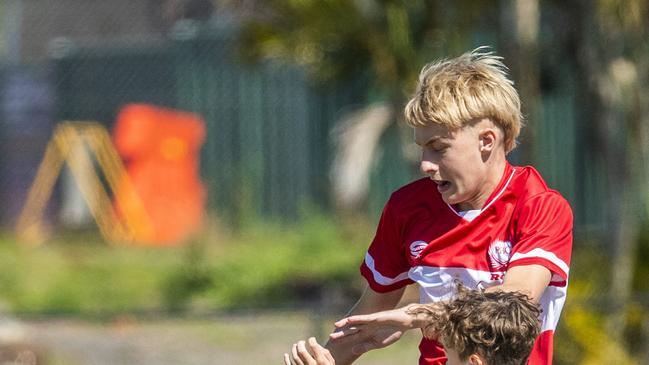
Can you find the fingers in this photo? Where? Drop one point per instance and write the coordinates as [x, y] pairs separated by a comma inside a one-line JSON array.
[[330, 357], [322, 355], [296, 357], [344, 332], [300, 355], [305, 356], [350, 326], [356, 320], [341, 323], [287, 360]]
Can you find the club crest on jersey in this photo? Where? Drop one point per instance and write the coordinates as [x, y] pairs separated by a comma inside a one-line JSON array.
[[499, 253], [416, 248]]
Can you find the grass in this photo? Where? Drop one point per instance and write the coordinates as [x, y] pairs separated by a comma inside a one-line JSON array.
[[264, 266], [259, 338], [77, 277]]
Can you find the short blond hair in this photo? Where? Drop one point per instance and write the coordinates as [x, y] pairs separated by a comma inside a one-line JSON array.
[[454, 92]]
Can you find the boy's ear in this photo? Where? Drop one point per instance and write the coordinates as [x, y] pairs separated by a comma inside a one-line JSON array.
[[475, 359], [488, 138]]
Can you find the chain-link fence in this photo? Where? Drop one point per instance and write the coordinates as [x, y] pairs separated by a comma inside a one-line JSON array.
[[268, 146]]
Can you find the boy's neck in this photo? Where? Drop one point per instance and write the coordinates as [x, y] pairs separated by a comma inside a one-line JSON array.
[[495, 173]]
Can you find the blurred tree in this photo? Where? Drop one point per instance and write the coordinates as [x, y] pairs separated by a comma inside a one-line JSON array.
[[520, 22], [612, 50], [387, 42]]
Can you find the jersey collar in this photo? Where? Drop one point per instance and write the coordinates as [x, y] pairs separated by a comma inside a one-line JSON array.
[[507, 177]]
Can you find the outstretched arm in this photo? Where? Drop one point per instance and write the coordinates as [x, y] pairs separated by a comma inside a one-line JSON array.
[[367, 331], [380, 329]]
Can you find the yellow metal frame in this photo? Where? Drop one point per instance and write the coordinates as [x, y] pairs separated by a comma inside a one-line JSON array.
[[66, 137]]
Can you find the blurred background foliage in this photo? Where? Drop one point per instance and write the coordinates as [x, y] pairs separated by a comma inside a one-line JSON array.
[[267, 266], [291, 91]]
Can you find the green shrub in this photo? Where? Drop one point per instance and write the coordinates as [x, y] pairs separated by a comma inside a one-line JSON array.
[[264, 265], [192, 276]]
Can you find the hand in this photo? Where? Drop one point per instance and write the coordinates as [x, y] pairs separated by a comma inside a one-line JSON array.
[[301, 356], [372, 331]]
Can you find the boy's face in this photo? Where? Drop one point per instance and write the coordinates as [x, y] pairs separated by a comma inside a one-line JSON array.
[[456, 160], [452, 358]]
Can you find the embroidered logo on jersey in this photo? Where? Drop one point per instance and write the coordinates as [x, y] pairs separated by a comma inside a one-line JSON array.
[[499, 253], [416, 248]]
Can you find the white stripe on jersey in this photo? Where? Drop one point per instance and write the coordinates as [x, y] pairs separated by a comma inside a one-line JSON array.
[[551, 303], [547, 255], [378, 277], [438, 283], [501, 190]]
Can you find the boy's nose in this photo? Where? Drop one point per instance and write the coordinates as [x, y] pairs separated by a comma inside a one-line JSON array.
[[428, 167]]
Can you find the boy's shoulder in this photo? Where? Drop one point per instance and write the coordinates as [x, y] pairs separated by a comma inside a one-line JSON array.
[[528, 183], [423, 190]]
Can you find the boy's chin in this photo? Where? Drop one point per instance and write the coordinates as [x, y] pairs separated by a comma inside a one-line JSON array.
[[451, 199]]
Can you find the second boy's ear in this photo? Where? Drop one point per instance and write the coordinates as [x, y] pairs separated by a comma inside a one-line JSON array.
[[476, 359]]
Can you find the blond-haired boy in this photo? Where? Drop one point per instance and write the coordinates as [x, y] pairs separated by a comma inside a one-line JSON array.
[[474, 218]]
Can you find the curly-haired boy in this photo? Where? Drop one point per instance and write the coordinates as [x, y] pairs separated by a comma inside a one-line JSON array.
[[475, 328]]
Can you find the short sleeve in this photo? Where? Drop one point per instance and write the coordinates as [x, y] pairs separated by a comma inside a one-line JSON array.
[[543, 235], [385, 266]]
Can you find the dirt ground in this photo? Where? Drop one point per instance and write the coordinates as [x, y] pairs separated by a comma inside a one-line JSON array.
[[233, 339]]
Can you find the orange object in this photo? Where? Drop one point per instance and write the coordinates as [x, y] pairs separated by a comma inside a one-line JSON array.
[[160, 148]]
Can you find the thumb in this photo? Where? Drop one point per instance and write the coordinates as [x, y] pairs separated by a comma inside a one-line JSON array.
[[392, 338]]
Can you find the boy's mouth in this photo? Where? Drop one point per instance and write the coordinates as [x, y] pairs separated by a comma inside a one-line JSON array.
[[442, 185]]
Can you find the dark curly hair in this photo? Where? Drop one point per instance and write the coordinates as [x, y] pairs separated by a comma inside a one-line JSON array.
[[500, 326]]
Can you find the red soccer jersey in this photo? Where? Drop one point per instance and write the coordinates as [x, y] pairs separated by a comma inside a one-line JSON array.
[[422, 239]]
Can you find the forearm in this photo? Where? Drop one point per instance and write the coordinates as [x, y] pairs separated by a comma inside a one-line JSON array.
[[422, 315], [370, 302]]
